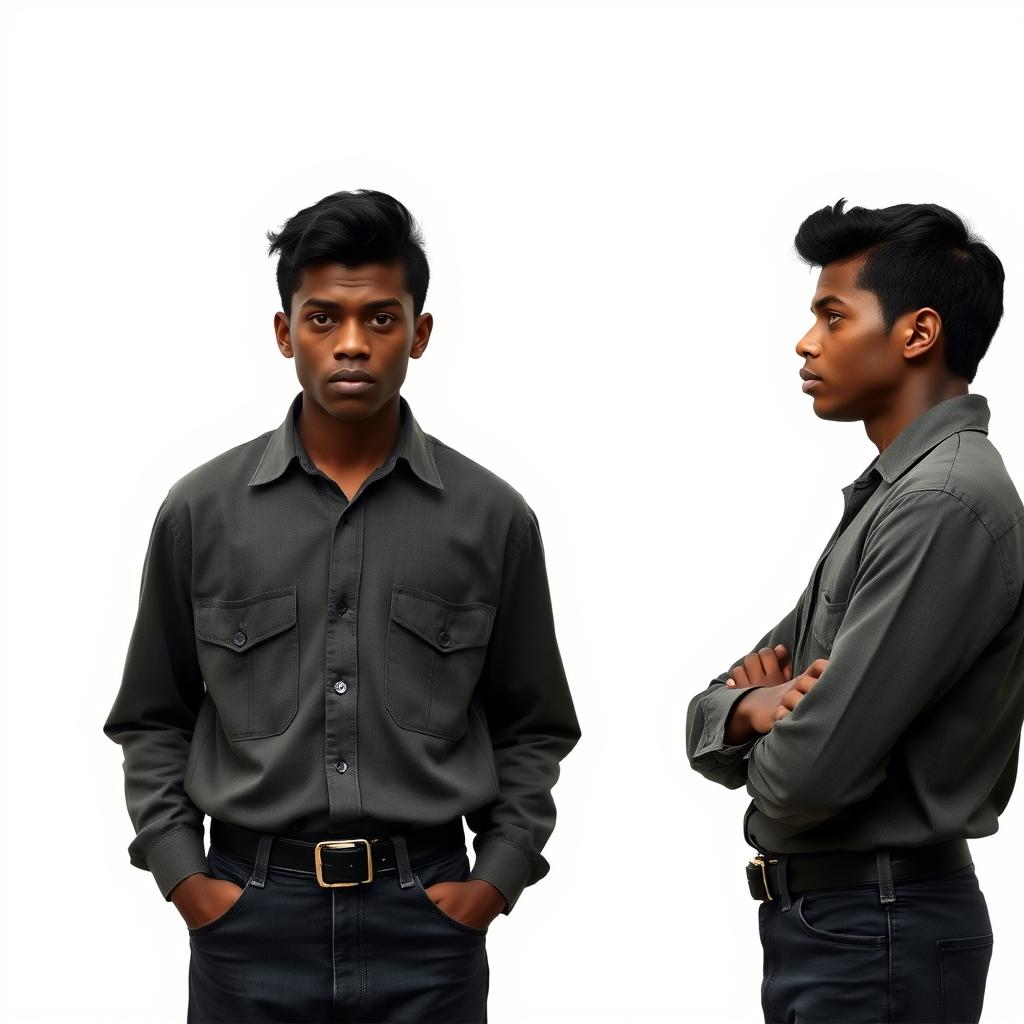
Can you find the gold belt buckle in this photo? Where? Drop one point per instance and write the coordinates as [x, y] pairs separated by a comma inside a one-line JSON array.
[[342, 844]]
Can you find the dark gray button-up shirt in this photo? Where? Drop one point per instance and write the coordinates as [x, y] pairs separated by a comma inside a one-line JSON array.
[[911, 734], [304, 663]]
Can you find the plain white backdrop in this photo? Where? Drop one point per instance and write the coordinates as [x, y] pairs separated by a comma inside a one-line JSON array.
[[609, 194]]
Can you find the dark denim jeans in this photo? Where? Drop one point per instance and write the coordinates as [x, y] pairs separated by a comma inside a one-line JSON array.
[[842, 956], [289, 950]]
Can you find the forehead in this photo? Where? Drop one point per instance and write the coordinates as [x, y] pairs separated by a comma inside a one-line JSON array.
[[340, 281], [839, 278]]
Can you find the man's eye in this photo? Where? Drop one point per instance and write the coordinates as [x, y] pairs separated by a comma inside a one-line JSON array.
[[381, 319], [315, 315], [830, 315]]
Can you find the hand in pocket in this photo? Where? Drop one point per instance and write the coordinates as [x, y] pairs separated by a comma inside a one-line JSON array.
[[201, 899], [474, 902]]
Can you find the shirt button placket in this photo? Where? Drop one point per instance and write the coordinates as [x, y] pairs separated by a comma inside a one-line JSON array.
[[341, 675]]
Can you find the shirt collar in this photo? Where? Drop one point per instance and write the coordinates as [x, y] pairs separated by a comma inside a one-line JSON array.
[[285, 444], [921, 435]]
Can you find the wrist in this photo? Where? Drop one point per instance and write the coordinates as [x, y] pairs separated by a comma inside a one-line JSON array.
[[738, 726]]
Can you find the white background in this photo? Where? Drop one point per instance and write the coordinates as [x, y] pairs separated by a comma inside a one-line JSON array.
[[609, 194]]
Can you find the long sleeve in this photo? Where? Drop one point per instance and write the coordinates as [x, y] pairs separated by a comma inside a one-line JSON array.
[[709, 710], [531, 718], [154, 713], [929, 595]]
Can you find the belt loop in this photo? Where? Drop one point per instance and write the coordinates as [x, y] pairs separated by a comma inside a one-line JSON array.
[[259, 875], [886, 892], [784, 900], [405, 878]]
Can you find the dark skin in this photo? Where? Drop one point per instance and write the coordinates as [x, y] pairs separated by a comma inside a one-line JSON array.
[[860, 371], [358, 321]]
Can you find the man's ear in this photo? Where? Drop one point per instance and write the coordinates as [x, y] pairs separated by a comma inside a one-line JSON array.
[[424, 325], [921, 332], [284, 335]]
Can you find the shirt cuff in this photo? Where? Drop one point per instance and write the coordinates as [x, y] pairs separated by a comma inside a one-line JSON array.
[[505, 866], [716, 707], [173, 856]]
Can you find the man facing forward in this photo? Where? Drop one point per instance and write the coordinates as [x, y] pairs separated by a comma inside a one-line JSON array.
[[876, 727], [344, 647]]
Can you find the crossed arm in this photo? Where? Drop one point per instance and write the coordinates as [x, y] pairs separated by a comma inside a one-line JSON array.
[[930, 593]]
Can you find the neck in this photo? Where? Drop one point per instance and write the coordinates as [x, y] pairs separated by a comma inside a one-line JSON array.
[[348, 444], [914, 400]]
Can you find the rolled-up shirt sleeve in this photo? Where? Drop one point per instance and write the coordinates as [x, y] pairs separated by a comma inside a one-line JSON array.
[[531, 718], [929, 595], [709, 710], [154, 713]]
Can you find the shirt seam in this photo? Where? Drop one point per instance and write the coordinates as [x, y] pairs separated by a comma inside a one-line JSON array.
[[981, 522], [178, 536], [521, 850], [520, 538], [166, 835]]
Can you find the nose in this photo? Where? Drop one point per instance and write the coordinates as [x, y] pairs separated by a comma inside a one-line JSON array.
[[350, 340], [808, 345]]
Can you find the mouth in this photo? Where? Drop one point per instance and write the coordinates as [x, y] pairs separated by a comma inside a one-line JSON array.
[[349, 375], [810, 380], [350, 382]]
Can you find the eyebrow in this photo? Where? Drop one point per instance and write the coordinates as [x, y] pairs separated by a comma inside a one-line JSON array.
[[827, 300], [332, 307]]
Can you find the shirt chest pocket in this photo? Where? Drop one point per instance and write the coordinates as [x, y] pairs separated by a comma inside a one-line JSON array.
[[435, 653], [249, 653], [828, 616]]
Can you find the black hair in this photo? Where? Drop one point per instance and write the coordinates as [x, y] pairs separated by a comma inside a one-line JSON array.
[[353, 228], [917, 255]]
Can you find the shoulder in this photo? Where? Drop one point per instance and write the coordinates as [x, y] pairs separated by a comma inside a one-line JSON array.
[[464, 477], [967, 471], [210, 484]]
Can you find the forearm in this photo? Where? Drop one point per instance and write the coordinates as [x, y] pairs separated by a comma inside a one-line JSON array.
[[717, 742], [154, 713], [513, 829]]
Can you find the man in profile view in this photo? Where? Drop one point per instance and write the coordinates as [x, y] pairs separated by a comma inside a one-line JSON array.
[[876, 727], [344, 647]]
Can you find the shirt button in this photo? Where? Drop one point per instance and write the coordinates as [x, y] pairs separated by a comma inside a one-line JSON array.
[[342, 767], [444, 639], [239, 638], [340, 686]]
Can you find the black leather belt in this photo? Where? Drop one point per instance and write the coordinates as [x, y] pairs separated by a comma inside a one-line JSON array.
[[837, 869], [336, 860]]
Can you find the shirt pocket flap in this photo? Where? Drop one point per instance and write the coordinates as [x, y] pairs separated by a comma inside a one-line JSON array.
[[442, 624], [240, 625], [828, 617]]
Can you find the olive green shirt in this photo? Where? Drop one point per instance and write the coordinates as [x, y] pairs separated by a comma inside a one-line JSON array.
[[301, 663], [911, 734]]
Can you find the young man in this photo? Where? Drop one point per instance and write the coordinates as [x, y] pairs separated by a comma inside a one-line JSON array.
[[344, 645], [876, 727]]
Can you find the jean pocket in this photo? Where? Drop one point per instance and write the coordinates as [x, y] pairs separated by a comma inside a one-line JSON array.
[[846, 918], [435, 654], [450, 867], [421, 893], [231, 870], [963, 971], [248, 651]]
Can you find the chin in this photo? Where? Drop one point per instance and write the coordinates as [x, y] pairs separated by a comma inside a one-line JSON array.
[[837, 414]]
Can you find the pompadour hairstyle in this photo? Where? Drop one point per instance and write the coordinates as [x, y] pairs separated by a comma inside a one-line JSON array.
[[917, 255], [353, 228]]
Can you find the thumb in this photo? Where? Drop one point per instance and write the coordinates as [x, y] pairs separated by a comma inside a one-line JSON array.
[[784, 663]]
